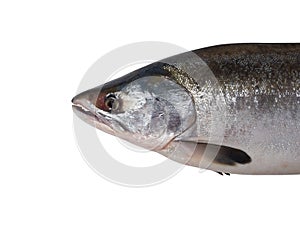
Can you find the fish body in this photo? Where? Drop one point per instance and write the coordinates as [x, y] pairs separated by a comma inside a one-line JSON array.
[[228, 108]]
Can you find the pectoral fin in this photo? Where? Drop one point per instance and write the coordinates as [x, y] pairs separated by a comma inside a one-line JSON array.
[[218, 154], [205, 155], [231, 156]]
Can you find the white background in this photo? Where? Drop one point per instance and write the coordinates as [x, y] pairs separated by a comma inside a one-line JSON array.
[[45, 50]]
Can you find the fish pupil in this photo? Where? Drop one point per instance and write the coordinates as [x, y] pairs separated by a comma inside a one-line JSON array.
[[109, 101]]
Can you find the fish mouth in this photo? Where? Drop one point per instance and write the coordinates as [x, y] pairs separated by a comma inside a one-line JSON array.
[[89, 116], [81, 109]]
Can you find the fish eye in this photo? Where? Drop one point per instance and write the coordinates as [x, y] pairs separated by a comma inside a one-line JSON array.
[[111, 102]]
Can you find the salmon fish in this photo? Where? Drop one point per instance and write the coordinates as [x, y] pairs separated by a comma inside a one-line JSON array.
[[232, 109]]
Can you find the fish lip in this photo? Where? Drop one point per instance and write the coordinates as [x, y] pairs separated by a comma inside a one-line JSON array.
[[82, 109], [92, 113]]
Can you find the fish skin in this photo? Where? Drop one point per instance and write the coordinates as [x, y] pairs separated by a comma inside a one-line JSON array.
[[259, 85]]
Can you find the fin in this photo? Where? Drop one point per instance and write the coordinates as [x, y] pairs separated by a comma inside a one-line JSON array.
[[231, 156], [222, 174], [220, 154]]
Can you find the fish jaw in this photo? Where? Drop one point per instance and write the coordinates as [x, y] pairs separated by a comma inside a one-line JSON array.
[[84, 108]]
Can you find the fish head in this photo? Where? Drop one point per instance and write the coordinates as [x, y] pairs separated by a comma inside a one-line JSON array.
[[146, 107]]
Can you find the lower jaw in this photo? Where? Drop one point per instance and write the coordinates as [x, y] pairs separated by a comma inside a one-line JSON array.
[[92, 120]]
